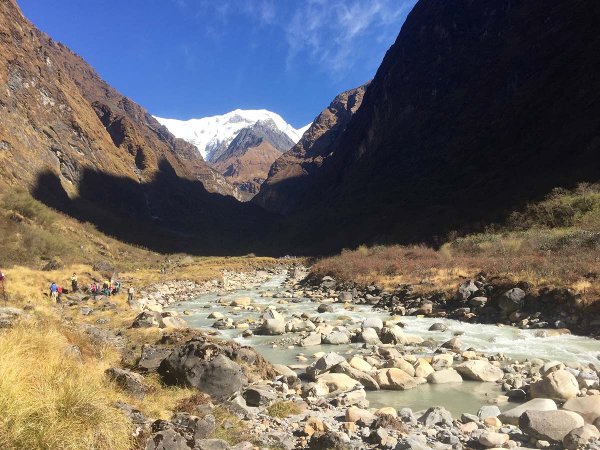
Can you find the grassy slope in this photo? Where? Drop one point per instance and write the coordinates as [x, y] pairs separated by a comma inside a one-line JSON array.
[[554, 242], [49, 399]]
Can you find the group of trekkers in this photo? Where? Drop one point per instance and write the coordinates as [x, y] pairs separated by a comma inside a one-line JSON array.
[[107, 288]]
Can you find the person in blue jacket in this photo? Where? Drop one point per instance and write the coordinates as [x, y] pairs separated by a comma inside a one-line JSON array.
[[54, 291]]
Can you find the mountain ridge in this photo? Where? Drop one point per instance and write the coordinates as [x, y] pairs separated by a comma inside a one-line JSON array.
[[212, 134], [499, 117], [85, 149]]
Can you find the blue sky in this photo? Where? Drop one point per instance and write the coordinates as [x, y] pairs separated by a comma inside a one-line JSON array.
[[194, 58]]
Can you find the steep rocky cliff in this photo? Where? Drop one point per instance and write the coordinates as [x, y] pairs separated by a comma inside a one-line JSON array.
[[477, 108], [84, 148], [292, 173]]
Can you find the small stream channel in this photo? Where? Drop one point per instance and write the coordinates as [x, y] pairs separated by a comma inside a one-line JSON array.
[[457, 398]]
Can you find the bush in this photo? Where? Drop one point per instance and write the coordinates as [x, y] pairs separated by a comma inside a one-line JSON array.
[[283, 409], [23, 203]]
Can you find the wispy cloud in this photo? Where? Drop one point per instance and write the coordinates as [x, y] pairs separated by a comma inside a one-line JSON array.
[[332, 35], [330, 32]]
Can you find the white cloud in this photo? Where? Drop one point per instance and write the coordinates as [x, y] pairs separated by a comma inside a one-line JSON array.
[[333, 35], [330, 32]]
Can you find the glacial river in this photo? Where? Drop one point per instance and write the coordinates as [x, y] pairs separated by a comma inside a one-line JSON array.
[[457, 398]]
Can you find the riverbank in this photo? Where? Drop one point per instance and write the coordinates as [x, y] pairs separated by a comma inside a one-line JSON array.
[[320, 399], [338, 384]]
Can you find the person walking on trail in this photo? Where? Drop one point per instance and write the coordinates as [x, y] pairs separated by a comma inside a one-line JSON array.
[[74, 285], [2, 289], [54, 291], [105, 288], [130, 293]]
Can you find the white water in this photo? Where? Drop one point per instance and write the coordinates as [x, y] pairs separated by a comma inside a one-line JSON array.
[[464, 397]]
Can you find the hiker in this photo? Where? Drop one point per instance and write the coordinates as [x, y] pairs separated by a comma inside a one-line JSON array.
[[94, 290], [74, 285], [117, 287], [53, 291], [105, 287], [2, 285], [130, 293], [59, 292]]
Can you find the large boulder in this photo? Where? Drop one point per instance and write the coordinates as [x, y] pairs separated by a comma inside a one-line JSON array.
[[444, 376], [512, 416], [559, 385], [395, 380], [512, 300], [369, 336], [360, 364], [147, 319], [393, 335], [336, 338], [273, 323], [401, 363], [579, 437], [205, 366], [129, 381], [242, 301], [363, 378], [338, 382], [491, 439], [355, 414], [151, 357], [167, 439], [372, 322], [195, 427], [324, 364], [436, 416], [173, 322], [259, 396], [296, 325], [550, 425], [311, 339], [423, 369], [587, 407], [466, 290], [479, 370]]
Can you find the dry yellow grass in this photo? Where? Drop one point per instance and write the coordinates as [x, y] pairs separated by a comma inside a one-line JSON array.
[[52, 400]]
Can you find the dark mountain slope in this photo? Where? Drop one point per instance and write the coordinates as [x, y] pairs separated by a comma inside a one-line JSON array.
[[84, 148], [291, 174], [476, 109]]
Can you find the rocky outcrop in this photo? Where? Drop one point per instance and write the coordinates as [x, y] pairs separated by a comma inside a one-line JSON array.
[[246, 161], [216, 368], [290, 175]]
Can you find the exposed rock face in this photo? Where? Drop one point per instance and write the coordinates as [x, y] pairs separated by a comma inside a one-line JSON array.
[[476, 103], [289, 176], [85, 149], [247, 160]]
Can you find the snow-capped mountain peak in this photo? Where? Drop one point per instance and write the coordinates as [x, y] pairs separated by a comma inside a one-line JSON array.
[[210, 134]]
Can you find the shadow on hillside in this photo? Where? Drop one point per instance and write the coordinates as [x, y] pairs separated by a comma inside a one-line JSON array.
[[169, 214]]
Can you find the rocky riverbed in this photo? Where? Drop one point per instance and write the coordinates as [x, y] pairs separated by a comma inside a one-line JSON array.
[[336, 352]]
